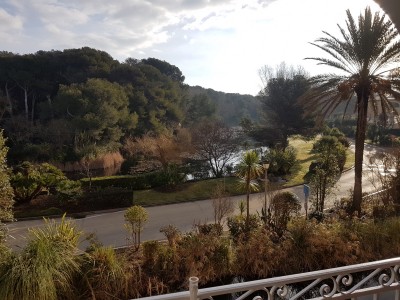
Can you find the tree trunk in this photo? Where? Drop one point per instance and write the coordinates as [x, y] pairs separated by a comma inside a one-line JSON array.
[[248, 199], [359, 153], [26, 102], [10, 105]]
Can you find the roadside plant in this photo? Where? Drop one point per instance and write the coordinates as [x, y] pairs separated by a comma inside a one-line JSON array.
[[248, 170], [283, 205], [45, 268], [222, 204], [135, 218], [172, 233], [104, 274], [6, 191]]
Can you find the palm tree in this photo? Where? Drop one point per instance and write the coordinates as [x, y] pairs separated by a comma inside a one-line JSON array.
[[368, 56], [248, 170]]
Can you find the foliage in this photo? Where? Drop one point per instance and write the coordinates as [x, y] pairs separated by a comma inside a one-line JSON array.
[[315, 246], [283, 205], [367, 55], [324, 172], [30, 180], [131, 182], [6, 191], [172, 233], [135, 218], [170, 177], [385, 167], [153, 152], [328, 147], [104, 274], [45, 268], [264, 259], [213, 262], [216, 143], [238, 225], [104, 198], [281, 161], [60, 103], [199, 109], [230, 108], [281, 111], [248, 170], [221, 203]]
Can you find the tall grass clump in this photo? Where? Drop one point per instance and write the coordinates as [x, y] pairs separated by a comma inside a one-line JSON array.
[[46, 266], [313, 246], [379, 239], [257, 256], [104, 275]]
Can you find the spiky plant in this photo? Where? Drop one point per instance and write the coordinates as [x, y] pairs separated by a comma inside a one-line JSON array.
[[367, 54], [44, 269], [248, 170]]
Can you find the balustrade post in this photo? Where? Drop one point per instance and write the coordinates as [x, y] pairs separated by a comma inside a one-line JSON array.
[[193, 287]]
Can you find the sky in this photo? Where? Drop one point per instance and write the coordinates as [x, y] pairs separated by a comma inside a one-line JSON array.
[[218, 44]]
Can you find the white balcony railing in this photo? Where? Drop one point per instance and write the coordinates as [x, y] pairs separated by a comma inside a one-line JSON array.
[[374, 280]]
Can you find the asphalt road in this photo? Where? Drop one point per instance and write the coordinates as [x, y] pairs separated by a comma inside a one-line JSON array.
[[109, 226]]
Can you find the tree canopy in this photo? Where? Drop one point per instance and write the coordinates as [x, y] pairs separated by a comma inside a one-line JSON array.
[[283, 115]]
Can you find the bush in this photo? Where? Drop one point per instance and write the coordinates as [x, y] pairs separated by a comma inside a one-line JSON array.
[[136, 182], [104, 274], [213, 262], [111, 197], [210, 229], [283, 205], [237, 225], [169, 178], [257, 256], [281, 161]]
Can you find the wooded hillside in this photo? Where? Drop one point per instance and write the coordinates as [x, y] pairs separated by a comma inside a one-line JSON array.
[[62, 106]]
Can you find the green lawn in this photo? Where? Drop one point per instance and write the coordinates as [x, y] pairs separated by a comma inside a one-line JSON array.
[[189, 191], [305, 158]]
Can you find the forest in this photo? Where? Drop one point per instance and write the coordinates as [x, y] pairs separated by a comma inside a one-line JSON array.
[[64, 106]]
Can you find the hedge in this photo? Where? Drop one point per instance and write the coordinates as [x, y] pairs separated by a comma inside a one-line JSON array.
[[137, 182]]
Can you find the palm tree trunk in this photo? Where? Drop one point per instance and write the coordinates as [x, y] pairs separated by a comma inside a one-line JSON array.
[[359, 153], [248, 200]]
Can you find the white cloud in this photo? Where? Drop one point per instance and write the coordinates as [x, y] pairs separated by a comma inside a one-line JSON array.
[[216, 43], [10, 26]]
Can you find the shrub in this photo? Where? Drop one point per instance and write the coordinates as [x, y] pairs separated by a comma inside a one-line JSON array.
[[45, 268], [170, 177], [135, 218], [137, 182], [172, 233], [106, 198], [314, 246], [104, 274], [281, 161], [237, 225], [257, 256], [210, 229], [213, 262], [283, 205]]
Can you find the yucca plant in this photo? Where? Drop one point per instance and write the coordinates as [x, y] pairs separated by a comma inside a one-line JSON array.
[[367, 55]]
